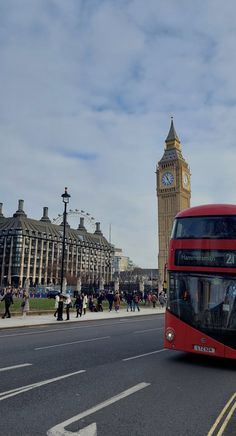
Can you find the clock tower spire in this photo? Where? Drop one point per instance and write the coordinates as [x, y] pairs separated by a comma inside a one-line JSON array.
[[173, 192], [172, 135]]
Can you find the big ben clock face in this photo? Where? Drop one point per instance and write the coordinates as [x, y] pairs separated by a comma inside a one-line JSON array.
[[167, 178], [185, 180]]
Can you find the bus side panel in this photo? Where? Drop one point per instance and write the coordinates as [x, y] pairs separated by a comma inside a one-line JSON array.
[[179, 342], [230, 353], [191, 340]]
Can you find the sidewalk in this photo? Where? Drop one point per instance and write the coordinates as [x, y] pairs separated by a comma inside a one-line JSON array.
[[48, 319]]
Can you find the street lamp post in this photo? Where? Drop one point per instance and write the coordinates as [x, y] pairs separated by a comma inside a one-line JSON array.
[[65, 199]]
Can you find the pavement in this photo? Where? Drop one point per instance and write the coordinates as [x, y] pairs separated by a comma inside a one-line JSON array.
[[49, 319]]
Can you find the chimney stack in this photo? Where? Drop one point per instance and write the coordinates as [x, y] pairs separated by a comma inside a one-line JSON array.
[[45, 215], [81, 224], [20, 210], [98, 230], [1, 214]]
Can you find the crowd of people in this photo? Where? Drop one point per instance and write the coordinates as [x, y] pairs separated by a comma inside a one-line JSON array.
[[82, 302], [94, 302]]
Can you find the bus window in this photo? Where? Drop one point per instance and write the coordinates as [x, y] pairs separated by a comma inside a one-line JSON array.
[[229, 306], [221, 228], [203, 301], [204, 227]]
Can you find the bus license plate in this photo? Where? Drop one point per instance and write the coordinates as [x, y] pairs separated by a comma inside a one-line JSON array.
[[204, 349]]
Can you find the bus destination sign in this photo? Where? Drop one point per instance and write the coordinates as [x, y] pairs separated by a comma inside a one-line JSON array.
[[209, 258]]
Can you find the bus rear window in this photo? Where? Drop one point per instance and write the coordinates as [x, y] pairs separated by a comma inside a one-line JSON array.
[[213, 227]]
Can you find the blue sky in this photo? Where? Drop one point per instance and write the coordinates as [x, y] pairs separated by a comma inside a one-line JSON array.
[[87, 91]]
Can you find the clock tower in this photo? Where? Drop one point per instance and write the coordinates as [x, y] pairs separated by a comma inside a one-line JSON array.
[[173, 192]]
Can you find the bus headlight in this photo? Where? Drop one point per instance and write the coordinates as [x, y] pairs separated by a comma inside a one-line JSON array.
[[170, 334]]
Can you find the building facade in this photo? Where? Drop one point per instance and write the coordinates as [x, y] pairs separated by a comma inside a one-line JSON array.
[[173, 187], [121, 262], [138, 279], [32, 249]]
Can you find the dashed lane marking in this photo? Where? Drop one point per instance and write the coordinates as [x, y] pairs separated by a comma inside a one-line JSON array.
[[7, 368], [20, 390], [143, 355], [74, 342], [148, 330]]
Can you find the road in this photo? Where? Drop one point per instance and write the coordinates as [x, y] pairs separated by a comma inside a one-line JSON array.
[[105, 378]]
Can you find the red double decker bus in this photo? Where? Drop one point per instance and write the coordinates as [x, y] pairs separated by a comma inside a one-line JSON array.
[[201, 306]]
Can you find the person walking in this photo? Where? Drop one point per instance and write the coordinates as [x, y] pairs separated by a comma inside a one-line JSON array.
[[100, 299], [110, 299], [91, 304], [154, 300], [85, 302], [25, 303], [162, 299], [68, 306], [149, 298], [8, 299], [117, 301], [60, 308], [129, 301], [136, 300], [78, 306], [57, 298]]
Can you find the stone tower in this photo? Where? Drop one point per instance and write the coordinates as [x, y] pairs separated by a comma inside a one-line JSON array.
[[173, 192]]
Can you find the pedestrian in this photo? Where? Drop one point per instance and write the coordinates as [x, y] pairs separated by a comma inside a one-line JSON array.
[[117, 301], [145, 298], [162, 299], [100, 299], [60, 308], [154, 300], [56, 304], [91, 305], [110, 299], [8, 299], [136, 300], [25, 303], [68, 306], [129, 301], [78, 306], [85, 302]]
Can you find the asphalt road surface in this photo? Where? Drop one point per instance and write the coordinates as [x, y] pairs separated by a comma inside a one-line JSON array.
[[110, 378]]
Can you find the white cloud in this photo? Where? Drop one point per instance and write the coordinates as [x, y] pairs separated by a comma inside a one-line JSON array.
[[101, 79]]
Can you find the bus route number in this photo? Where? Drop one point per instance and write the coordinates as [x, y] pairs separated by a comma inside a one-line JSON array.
[[229, 259]]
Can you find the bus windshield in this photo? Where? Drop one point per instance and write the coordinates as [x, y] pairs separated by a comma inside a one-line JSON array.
[[205, 227], [204, 301]]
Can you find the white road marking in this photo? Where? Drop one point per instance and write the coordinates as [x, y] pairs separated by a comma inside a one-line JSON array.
[[222, 416], [142, 355], [7, 368], [91, 430], [148, 330], [118, 322], [74, 342], [20, 390]]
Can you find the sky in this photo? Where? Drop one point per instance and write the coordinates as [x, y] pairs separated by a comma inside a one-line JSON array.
[[88, 88]]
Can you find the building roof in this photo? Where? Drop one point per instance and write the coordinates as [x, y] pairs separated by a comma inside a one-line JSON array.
[[171, 155], [47, 229]]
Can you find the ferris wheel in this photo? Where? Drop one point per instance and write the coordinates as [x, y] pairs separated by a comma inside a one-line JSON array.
[[73, 219]]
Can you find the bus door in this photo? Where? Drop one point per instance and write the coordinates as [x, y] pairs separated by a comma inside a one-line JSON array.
[[205, 314]]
